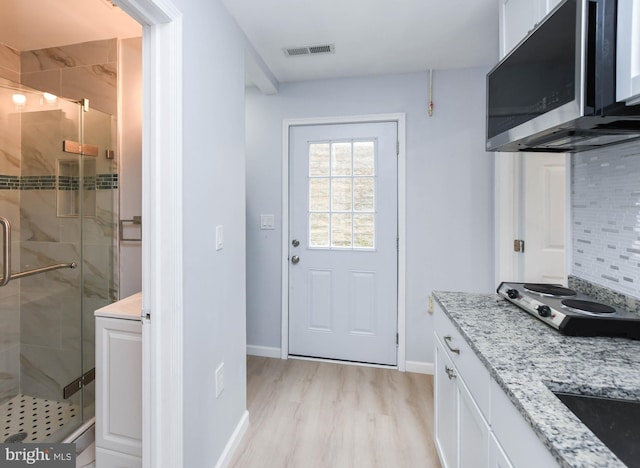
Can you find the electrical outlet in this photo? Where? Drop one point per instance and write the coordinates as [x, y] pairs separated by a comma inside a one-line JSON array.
[[219, 379]]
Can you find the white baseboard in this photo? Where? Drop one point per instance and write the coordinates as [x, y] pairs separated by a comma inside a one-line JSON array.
[[234, 441], [418, 367], [263, 351]]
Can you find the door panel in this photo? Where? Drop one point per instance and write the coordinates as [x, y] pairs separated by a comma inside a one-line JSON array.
[[343, 242], [319, 306], [544, 218]]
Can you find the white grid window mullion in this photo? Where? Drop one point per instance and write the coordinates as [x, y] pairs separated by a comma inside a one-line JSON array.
[[330, 194], [352, 201]]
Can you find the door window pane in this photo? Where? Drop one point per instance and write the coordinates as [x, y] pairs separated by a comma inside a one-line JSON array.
[[319, 194], [319, 159], [363, 193], [364, 158], [341, 230], [341, 159], [342, 199], [341, 194], [319, 230], [363, 231]]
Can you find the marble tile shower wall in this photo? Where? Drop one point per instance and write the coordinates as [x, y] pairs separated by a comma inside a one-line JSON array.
[[88, 70], [9, 63], [606, 217]]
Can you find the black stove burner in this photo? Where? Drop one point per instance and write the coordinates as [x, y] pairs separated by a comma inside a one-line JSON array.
[[549, 289], [587, 306]]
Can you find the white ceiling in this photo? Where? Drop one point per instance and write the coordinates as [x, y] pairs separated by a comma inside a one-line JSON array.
[[38, 24], [370, 36]]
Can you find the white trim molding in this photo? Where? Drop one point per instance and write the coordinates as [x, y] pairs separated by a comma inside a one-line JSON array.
[[162, 276], [263, 351], [418, 367], [400, 118], [234, 441]]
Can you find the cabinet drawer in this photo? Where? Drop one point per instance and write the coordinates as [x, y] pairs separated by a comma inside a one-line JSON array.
[[473, 372]]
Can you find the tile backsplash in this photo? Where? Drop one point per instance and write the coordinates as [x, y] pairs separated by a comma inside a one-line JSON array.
[[605, 191]]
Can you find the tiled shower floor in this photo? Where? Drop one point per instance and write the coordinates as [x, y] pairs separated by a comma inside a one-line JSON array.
[[37, 417]]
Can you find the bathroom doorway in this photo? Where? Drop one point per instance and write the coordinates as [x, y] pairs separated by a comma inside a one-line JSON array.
[[60, 191]]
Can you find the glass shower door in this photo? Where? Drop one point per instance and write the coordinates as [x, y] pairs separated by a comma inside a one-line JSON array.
[[40, 323], [99, 234]]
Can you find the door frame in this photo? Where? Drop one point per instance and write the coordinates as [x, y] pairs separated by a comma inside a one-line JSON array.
[[400, 119], [162, 276]]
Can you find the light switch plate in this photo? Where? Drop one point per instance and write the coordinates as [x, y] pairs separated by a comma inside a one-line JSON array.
[[219, 237], [267, 221]]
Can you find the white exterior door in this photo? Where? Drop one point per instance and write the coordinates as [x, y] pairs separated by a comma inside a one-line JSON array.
[[544, 218], [343, 254]]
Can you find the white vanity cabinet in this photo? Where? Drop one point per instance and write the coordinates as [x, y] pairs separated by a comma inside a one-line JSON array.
[[476, 425], [119, 384], [628, 52]]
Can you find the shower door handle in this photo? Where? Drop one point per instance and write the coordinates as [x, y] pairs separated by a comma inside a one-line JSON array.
[[6, 251], [6, 257]]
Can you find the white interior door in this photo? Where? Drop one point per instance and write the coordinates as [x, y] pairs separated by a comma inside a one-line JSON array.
[[544, 218], [343, 242]]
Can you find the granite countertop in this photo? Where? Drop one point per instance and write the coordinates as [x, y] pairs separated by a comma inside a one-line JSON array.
[[129, 308], [527, 358]]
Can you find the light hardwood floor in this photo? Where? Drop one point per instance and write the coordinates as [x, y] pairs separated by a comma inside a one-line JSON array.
[[307, 414]]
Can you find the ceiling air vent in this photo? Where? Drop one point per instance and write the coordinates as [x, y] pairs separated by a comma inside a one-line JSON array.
[[309, 50]]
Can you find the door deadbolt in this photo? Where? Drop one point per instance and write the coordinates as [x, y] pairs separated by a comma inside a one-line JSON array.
[[295, 242], [295, 259]]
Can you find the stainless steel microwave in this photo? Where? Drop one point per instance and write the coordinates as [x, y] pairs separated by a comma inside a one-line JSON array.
[[555, 92]]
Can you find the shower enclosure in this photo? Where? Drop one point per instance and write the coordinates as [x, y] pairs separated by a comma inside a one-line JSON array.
[[58, 194]]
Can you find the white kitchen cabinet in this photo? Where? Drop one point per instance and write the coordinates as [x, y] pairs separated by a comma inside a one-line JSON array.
[[521, 445], [628, 52], [473, 430], [461, 431], [446, 411], [476, 425], [119, 385], [518, 18], [497, 457]]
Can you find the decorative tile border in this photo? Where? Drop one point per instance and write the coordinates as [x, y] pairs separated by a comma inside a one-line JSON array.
[[8, 182], [97, 182], [608, 296], [47, 182], [106, 181]]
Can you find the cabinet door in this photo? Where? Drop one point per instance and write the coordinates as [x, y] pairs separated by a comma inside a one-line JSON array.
[[473, 430], [446, 409], [497, 457], [628, 51], [517, 18], [119, 385]]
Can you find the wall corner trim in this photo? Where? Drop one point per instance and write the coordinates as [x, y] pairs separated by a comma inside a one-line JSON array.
[[264, 351], [234, 441]]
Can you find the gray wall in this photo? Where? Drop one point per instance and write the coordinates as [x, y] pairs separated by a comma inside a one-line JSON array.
[[213, 194], [606, 217], [449, 188]]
